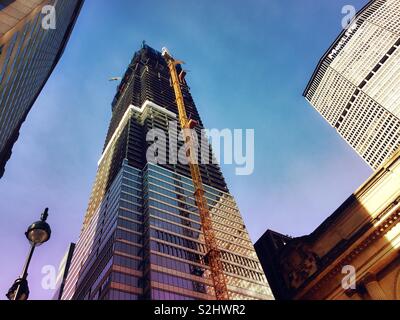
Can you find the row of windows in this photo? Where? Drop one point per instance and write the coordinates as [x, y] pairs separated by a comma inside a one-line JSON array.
[[173, 218], [165, 295], [130, 215], [174, 228], [176, 252], [231, 212], [172, 181], [188, 184], [186, 190], [131, 191], [131, 177], [128, 236], [132, 226], [127, 262], [176, 265], [170, 176], [251, 287], [240, 260], [129, 280], [120, 295], [246, 273], [134, 199], [180, 203], [170, 184], [174, 210], [130, 206], [370, 130], [177, 240], [172, 191], [132, 184], [175, 195], [128, 249], [131, 171], [178, 282]]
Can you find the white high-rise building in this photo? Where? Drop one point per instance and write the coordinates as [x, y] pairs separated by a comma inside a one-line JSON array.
[[356, 85]]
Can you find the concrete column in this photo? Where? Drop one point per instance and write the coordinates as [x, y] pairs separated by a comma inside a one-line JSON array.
[[373, 288]]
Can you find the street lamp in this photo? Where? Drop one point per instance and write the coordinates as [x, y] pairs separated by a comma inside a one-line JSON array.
[[37, 234]]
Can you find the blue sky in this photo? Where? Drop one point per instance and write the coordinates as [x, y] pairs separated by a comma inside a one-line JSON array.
[[249, 63]]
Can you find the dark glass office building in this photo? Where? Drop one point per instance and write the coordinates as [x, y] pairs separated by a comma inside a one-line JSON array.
[[30, 48], [63, 272], [269, 248], [142, 237]]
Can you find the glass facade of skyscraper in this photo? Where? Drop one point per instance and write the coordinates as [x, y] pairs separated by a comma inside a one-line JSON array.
[[28, 54], [142, 236]]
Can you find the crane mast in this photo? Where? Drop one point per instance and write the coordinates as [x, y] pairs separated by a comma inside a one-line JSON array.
[[213, 254]]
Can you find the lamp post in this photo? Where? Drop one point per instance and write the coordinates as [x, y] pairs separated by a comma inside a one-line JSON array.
[[37, 234]]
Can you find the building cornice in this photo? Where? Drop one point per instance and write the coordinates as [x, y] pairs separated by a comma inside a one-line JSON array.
[[353, 252], [332, 47]]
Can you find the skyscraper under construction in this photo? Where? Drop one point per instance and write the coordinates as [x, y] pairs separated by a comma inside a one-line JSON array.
[[142, 236]]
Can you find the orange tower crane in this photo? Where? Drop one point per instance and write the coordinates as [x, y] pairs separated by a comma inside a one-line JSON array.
[[213, 255]]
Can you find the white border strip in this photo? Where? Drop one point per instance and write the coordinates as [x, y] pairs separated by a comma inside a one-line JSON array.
[[146, 105]]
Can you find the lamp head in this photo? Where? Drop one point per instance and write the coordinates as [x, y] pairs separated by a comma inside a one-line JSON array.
[[40, 231]]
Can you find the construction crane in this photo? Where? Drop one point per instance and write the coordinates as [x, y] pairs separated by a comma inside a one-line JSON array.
[[213, 254]]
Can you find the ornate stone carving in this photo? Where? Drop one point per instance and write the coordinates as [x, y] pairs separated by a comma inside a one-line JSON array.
[[300, 264]]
